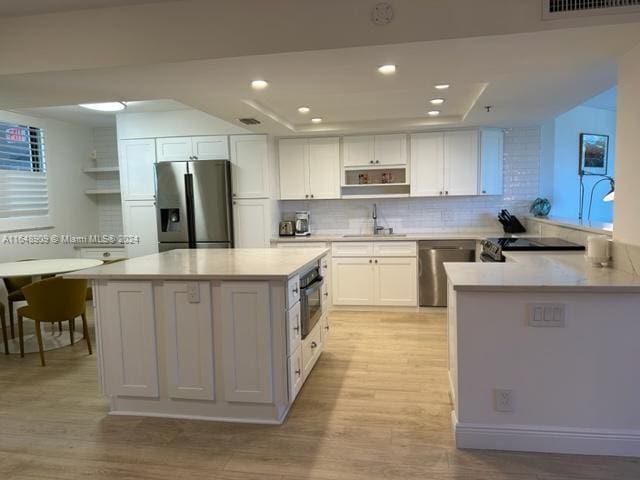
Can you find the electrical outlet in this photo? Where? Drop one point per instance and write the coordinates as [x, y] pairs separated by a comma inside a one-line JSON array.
[[546, 315], [193, 292], [503, 400]]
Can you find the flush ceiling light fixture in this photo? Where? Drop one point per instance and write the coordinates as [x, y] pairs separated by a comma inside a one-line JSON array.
[[259, 84], [442, 86], [387, 69], [434, 113], [316, 120], [437, 101], [105, 106], [304, 109]]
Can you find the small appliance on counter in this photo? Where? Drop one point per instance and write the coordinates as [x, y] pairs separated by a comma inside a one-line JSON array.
[[510, 223], [302, 225], [287, 228], [492, 248]]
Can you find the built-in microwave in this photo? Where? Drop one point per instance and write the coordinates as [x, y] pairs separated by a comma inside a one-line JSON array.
[[310, 300]]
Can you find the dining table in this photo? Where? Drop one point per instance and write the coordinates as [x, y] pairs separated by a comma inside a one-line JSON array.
[[36, 269]]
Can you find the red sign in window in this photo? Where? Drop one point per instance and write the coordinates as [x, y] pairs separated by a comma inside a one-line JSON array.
[[16, 134]]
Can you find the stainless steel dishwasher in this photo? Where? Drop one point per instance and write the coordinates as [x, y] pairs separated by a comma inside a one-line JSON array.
[[433, 279]]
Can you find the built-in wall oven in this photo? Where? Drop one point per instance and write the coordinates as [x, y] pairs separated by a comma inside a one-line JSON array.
[[310, 299]]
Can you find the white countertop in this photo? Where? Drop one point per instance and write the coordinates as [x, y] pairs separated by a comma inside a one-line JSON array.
[[541, 272], [236, 264], [590, 226], [479, 235]]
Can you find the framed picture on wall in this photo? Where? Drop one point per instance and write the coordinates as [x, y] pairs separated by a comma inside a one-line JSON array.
[[594, 150]]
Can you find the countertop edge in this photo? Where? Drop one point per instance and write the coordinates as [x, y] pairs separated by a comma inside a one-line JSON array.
[[625, 289]]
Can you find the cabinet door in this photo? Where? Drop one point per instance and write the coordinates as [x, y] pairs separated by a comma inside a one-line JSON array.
[[491, 161], [130, 359], [311, 349], [294, 177], [427, 164], [352, 281], [324, 167], [172, 149], [250, 169], [390, 149], [211, 147], [189, 340], [140, 220], [296, 373], [358, 151], [396, 282], [251, 223], [461, 163], [246, 342], [137, 177]]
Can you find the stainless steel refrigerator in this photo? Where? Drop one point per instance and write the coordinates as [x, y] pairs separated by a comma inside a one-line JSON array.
[[194, 204]]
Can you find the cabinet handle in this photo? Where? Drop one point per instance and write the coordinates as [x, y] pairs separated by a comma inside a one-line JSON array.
[[306, 196], [195, 158], [295, 290], [235, 195], [484, 191], [327, 327], [235, 203], [441, 193], [324, 265], [314, 344], [370, 261], [298, 372], [326, 294], [377, 161], [106, 254], [371, 161], [446, 192], [312, 195], [376, 261]]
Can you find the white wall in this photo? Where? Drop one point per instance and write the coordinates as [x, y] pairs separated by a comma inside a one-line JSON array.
[[67, 150], [173, 124], [566, 183], [547, 156], [521, 184], [627, 219]]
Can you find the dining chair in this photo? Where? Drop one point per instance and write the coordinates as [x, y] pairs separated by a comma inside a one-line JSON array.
[[3, 324], [54, 300]]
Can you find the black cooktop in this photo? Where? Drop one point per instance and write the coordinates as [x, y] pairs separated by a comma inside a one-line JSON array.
[[531, 244]]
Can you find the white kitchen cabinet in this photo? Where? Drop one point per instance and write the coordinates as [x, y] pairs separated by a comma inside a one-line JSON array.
[[296, 374], [491, 161], [427, 164], [251, 223], [140, 221], [352, 281], [130, 335], [249, 166], [311, 349], [461, 162], [294, 328], [175, 149], [137, 176], [352, 249], [395, 281], [246, 342], [375, 150], [309, 168], [189, 341]]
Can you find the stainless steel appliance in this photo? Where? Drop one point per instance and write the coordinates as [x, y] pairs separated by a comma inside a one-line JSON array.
[[492, 248], [287, 228], [194, 204], [310, 300], [432, 277], [303, 227]]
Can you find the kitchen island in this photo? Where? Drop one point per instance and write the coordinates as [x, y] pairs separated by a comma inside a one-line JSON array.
[[207, 333], [537, 350]]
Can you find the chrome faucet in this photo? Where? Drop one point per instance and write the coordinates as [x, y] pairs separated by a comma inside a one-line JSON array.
[[376, 228]]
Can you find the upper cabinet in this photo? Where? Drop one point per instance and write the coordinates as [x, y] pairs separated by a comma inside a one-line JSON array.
[[249, 166], [309, 168], [137, 176], [427, 164], [171, 149], [381, 150], [491, 161]]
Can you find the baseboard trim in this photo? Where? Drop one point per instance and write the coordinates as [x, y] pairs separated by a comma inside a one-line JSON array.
[[198, 417], [522, 438]]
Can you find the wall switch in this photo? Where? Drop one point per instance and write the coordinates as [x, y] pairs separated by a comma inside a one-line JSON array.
[[193, 292], [503, 400], [546, 315]]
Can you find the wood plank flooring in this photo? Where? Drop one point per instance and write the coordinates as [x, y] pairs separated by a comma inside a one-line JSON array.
[[375, 407]]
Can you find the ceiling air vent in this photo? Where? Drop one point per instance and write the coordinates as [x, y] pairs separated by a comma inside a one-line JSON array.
[[249, 121], [552, 9]]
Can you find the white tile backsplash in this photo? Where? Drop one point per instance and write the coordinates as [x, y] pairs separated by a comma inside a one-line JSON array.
[[109, 206], [437, 214]]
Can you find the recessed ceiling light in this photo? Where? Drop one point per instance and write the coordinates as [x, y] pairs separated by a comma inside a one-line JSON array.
[[434, 113], [259, 84], [316, 120], [304, 109], [442, 86], [105, 106], [437, 101], [387, 69]]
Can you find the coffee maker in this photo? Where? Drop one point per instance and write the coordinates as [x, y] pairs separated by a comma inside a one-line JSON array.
[[303, 227]]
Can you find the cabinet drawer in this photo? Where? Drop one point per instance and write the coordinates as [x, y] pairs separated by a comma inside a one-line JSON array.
[[311, 348], [394, 249], [296, 374], [293, 291], [294, 328], [324, 266], [103, 254], [352, 249]]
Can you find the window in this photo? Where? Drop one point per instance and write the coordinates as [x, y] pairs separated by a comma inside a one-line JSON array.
[[24, 201]]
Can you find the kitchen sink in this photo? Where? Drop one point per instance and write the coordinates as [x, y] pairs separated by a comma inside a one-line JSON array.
[[355, 235]]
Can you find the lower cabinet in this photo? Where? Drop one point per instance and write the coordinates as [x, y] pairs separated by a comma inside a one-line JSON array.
[[140, 221], [353, 281], [311, 349], [296, 373]]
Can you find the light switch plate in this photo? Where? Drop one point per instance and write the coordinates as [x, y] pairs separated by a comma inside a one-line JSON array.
[[193, 292], [546, 315]]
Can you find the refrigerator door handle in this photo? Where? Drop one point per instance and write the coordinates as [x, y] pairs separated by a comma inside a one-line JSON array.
[[191, 217]]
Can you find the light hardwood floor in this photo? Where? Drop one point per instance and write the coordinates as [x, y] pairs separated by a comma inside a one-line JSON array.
[[375, 407]]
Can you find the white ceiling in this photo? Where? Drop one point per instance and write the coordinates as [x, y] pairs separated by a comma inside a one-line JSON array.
[[21, 8], [607, 100], [527, 78]]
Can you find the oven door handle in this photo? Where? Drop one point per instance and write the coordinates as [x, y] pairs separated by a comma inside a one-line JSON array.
[[315, 285]]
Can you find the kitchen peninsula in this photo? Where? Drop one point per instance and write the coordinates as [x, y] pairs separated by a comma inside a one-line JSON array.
[[211, 334]]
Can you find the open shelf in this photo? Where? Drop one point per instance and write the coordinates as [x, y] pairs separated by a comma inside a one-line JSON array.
[[101, 170], [365, 185], [103, 191]]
